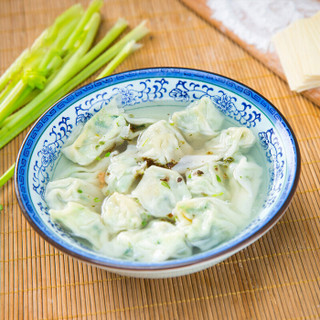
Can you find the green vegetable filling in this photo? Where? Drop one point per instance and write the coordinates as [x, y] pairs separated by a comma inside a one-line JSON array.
[[165, 184], [144, 223]]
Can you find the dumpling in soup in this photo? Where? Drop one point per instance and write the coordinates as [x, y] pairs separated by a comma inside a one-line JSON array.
[[82, 223], [207, 222], [62, 191], [123, 171], [158, 241], [208, 180], [199, 122], [93, 173], [122, 212], [160, 189], [138, 123], [101, 133], [245, 184], [162, 143], [230, 141]]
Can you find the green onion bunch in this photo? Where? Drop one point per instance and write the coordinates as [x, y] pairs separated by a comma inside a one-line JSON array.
[[58, 61]]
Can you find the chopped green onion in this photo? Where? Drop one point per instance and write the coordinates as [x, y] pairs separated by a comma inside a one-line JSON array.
[[145, 142], [165, 184], [107, 154], [128, 251], [217, 194]]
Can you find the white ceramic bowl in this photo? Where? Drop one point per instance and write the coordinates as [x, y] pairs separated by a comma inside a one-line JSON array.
[[158, 87]]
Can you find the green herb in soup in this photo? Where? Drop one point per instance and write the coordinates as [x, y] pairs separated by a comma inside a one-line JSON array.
[[146, 189]]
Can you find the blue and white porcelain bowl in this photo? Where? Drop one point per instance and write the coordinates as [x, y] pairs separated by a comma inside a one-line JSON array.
[[158, 87]]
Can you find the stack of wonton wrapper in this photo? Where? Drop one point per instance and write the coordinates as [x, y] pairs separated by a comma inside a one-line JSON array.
[[298, 47]]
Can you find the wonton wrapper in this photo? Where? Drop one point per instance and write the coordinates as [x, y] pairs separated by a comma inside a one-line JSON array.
[[245, 184], [199, 122], [207, 222], [82, 222], [160, 189], [60, 192], [162, 143], [157, 242], [93, 173], [121, 212], [123, 171], [102, 132], [230, 141], [208, 180]]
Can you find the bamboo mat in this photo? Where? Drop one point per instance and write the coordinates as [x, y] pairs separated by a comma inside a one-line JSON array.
[[275, 278]]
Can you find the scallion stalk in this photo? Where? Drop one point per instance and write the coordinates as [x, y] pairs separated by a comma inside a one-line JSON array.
[[7, 106], [93, 8], [66, 72], [71, 69], [129, 48], [7, 90], [7, 175], [13, 69]]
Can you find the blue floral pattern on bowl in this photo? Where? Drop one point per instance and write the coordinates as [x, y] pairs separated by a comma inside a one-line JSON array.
[[136, 88]]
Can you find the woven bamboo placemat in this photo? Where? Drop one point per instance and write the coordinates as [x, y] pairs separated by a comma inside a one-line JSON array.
[[275, 278]]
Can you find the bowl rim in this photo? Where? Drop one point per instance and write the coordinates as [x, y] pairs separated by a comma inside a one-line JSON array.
[[218, 255]]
